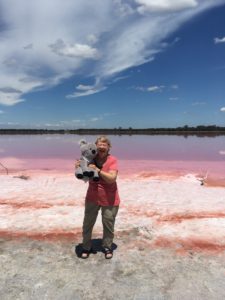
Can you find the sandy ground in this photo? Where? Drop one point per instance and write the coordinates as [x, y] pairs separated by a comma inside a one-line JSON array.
[[32, 269], [169, 241]]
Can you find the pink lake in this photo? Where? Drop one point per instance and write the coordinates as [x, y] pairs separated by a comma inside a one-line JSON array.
[[138, 155], [162, 200]]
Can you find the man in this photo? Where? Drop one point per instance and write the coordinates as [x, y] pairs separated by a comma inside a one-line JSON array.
[[103, 195]]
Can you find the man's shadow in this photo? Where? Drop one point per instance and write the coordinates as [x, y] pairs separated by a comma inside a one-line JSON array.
[[96, 247]]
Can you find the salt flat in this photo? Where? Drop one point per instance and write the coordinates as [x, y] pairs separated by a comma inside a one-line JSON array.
[[169, 240], [176, 212]]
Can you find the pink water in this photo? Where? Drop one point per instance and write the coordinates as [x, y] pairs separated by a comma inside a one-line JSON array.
[[138, 155]]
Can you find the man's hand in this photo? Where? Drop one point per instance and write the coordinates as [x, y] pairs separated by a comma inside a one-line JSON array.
[[77, 163], [93, 166], [108, 177]]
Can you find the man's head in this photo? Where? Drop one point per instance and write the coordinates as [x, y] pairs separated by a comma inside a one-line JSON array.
[[103, 144]]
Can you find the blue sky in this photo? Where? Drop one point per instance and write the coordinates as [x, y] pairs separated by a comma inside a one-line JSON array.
[[105, 64]]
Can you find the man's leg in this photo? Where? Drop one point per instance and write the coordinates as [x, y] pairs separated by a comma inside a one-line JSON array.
[[108, 220], [90, 216]]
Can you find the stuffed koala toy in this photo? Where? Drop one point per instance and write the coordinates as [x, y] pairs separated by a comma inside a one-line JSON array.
[[88, 153]]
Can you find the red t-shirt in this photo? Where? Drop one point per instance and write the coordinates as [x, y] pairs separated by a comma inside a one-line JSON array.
[[101, 192]]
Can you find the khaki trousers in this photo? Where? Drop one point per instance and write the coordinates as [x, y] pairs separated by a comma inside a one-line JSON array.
[[108, 221]]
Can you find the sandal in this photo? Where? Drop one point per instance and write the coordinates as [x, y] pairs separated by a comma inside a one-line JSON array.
[[84, 254], [108, 253]]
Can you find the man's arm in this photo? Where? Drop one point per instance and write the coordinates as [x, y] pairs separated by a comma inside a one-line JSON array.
[[109, 177]]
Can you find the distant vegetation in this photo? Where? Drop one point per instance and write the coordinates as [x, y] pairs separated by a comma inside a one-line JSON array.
[[201, 130]]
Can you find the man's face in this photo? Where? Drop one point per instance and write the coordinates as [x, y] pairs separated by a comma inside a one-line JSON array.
[[103, 148]]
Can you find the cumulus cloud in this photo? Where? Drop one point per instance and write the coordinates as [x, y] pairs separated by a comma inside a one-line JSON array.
[[219, 40], [74, 50], [46, 42], [222, 109]]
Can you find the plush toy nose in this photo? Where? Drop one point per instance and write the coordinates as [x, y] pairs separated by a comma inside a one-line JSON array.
[[93, 151]]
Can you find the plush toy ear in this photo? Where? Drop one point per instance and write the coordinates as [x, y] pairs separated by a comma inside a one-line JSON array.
[[82, 142]]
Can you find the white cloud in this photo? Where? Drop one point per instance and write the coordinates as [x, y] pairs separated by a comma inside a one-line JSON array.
[[165, 5], [155, 88], [45, 42], [52, 124], [222, 109], [12, 123], [95, 119], [173, 98], [116, 79], [219, 40], [10, 99], [83, 87], [1, 112], [86, 93], [74, 50], [86, 90], [222, 152]]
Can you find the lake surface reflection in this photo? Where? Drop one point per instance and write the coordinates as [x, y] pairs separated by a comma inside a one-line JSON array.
[[137, 153]]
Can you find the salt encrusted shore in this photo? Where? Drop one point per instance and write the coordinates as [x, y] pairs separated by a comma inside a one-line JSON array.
[[169, 240], [171, 212]]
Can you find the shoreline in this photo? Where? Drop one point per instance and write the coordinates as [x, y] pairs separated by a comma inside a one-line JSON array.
[[202, 177], [203, 130]]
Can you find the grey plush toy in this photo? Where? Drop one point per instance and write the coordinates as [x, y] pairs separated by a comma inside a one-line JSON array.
[[88, 153]]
